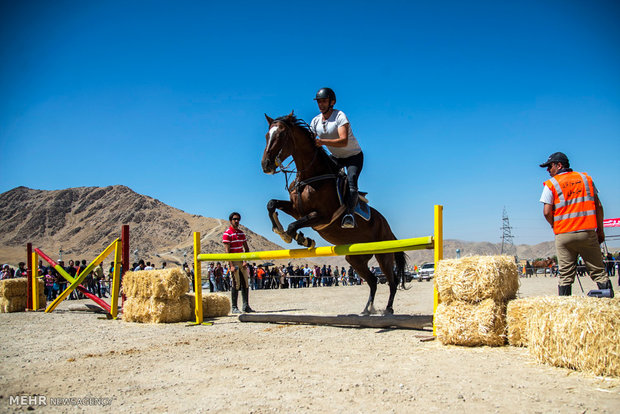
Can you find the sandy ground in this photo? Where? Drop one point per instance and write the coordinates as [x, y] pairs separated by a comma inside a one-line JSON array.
[[264, 368]]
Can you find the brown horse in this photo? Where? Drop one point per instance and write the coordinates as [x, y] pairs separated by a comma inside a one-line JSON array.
[[314, 203], [543, 264]]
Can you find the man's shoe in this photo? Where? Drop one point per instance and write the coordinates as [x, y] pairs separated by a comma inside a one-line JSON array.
[[348, 222], [565, 290]]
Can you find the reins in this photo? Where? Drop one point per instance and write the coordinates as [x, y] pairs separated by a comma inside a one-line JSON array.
[[287, 171]]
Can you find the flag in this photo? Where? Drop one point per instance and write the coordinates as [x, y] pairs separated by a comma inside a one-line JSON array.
[[614, 222]]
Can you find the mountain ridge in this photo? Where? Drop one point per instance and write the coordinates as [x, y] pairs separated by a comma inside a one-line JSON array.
[[82, 221]]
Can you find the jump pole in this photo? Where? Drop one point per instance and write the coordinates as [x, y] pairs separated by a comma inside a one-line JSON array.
[[438, 255], [29, 304], [434, 242], [398, 321]]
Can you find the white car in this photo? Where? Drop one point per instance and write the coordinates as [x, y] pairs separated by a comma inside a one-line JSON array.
[[427, 271]]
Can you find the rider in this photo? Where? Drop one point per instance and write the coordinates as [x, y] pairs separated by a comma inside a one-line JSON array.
[[333, 130]]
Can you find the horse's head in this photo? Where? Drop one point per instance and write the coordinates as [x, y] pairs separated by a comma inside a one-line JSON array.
[[279, 145]]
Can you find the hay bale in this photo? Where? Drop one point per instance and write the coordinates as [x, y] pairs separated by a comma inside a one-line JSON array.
[[477, 278], [42, 300], [13, 295], [517, 314], [10, 288], [463, 323], [161, 284], [12, 304], [213, 304], [580, 333], [156, 310]]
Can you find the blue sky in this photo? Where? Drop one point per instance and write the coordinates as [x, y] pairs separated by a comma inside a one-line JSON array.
[[454, 103]]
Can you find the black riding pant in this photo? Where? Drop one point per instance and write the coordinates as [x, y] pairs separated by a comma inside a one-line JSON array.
[[354, 166]]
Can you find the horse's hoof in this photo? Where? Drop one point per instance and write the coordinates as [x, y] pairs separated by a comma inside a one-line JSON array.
[[309, 243], [388, 312], [286, 238], [365, 312]]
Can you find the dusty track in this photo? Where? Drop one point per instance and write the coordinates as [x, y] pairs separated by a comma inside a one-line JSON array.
[[259, 368]]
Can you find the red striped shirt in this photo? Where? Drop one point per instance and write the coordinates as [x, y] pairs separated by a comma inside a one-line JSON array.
[[235, 238]]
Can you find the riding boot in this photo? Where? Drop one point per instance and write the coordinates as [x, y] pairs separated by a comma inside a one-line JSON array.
[[606, 285], [348, 221], [565, 290], [246, 306], [234, 295]]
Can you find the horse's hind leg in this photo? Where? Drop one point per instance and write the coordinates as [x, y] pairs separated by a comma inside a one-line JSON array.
[[360, 264], [386, 263]]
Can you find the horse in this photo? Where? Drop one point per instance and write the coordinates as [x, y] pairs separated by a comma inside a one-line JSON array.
[[314, 202], [543, 264]]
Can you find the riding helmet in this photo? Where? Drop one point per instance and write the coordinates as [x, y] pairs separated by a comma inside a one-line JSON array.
[[326, 93]]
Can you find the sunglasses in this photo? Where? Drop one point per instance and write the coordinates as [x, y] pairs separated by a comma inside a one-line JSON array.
[[235, 219]]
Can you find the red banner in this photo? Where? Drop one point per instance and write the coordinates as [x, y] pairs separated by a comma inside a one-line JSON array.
[[615, 222]]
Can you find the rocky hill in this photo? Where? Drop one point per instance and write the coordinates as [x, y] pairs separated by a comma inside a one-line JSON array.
[[83, 221]]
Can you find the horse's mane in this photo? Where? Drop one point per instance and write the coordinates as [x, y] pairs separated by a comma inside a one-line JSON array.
[[292, 121]]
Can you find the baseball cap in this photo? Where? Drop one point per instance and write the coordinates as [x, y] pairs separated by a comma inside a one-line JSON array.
[[555, 157]]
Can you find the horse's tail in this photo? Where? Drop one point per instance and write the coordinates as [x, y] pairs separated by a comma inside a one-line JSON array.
[[401, 262]]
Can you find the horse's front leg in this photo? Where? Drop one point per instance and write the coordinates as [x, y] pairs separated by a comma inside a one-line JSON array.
[[276, 226], [312, 219]]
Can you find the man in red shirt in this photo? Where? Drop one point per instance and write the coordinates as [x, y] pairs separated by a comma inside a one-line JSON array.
[[235, 242]]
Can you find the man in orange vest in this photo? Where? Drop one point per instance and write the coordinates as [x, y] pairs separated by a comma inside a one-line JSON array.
[[574, 211]]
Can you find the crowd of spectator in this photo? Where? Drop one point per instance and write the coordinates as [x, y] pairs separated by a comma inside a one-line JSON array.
[[269, 276], [216, 278]]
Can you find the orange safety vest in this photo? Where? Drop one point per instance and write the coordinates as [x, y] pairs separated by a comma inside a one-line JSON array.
[[573, 201]]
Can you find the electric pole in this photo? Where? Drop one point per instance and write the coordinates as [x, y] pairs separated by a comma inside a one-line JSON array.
[[507, 244]]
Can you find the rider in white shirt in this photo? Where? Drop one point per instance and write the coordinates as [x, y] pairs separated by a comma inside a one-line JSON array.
[[333, 130]]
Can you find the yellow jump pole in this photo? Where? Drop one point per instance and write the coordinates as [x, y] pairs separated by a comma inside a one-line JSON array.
[[116, 280], [35, 281], [80, 278], [438, 255], [388, 246], [198, 283], [197, 279]]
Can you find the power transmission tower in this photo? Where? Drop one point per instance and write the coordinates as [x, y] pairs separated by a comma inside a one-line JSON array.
[[507, 244]]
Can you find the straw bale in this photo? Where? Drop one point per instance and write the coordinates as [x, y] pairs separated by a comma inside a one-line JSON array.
[[580, 333], [213, 304], [42, 300], [517, 315], [463, 323], [156, 310], [12, 304], [476, 278], [160, 284], [13, 295], [10, 288]]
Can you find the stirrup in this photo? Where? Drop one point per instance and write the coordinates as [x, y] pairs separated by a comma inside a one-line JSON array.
[[348, 221]]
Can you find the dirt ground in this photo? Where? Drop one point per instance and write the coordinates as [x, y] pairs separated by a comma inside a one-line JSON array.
[[266, 368]]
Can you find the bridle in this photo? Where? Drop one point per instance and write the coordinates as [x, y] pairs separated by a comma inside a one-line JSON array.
[[286, 170]]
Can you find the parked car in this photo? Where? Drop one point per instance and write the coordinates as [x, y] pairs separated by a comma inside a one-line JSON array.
[[409, 276], [379, 274], [427, 271], [382, 279]]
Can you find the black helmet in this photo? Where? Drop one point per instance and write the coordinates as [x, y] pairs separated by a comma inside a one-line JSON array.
[[326, 93]]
